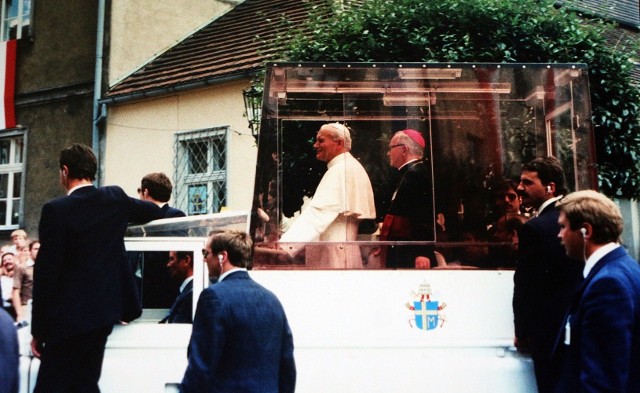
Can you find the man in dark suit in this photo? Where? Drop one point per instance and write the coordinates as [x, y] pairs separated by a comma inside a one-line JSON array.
[[602, 329], [410, 216], [156, 187], [180, 268], [545, 277], [157, 287], [83, 284], [241, 340], [9, 355]]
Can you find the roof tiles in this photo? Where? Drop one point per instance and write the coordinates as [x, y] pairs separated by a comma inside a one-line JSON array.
[[223, 48], [226, 47]]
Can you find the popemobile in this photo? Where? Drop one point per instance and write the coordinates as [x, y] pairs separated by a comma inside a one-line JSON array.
[[443, 322]]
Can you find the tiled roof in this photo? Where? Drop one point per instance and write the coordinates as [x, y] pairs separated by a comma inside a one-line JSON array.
[[237, 43]]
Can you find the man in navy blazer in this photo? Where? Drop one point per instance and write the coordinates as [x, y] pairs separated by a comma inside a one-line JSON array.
[[241, 340], [156, 187], [545, 277], [83, 284], [180, 267], [157, 287], [602, 330]]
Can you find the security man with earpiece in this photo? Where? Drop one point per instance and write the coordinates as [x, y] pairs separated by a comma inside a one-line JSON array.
[[601, 335], [545, 277], [241, 340]]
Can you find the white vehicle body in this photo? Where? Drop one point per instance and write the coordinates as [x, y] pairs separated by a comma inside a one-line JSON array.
[[353, 332]]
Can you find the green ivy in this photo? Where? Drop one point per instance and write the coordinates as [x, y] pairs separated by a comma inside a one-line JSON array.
[[490, 31]]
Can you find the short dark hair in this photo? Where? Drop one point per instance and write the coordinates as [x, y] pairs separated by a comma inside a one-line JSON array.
[[549, 170], [80, 161], [237, 244], [32, 243], [184, 254], [158, 185]]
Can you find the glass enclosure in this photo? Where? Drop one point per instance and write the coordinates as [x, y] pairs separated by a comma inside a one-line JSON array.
[[481, 123]]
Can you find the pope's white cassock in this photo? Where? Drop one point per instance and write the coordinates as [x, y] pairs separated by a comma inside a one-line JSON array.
[[343, 198]]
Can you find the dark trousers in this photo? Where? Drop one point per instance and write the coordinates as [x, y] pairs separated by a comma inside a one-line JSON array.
[[547, 372], [72, 365]]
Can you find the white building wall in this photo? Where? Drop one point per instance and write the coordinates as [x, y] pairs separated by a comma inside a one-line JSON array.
[[142, 29], [140, 137]]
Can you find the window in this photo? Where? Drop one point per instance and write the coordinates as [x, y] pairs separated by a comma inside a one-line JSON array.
[[16, 18], [12, 152], [201, 170]]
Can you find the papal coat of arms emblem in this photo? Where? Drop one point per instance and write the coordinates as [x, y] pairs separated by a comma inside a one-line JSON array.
[[427, 311]]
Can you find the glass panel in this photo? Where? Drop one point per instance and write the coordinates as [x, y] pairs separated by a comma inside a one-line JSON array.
[[219, 159], [5, 151], [199, 226], [481, 123], [198, 157], [17, 182], [15, 216], [158, 284], [4, 185], [198, 199], [3, 212], [19, 149]]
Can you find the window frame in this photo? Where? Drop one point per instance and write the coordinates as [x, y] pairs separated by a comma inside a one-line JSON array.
[[22, 20], [215, 179], [12, 168]]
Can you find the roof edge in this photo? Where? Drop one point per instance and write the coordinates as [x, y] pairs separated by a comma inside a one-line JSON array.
[[151, 93]]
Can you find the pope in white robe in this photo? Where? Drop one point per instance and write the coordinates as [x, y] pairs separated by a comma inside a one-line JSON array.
[[343, 198]]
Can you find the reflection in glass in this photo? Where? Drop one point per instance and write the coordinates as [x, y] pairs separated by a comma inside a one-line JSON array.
[[17, 183], [198, 157], [19, 148], [15, 215], [481, 123], [3, 211], [5, 151], [198, 199], [4, 185]]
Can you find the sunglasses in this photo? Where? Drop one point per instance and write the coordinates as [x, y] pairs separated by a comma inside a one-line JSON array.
[[510, 196]]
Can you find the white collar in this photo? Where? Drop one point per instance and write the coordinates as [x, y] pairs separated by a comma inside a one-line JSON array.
[[232, 270], [78, 186], [597, 255], [407, 163], [547, 203], [337, 158], [185, 282]]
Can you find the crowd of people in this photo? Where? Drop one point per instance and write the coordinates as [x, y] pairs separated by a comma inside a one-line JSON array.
[[17, 260]]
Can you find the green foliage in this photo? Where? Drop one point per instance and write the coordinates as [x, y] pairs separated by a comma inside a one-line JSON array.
[[490, 31]]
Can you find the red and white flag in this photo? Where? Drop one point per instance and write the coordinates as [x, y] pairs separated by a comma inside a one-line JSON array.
[[7, 83]]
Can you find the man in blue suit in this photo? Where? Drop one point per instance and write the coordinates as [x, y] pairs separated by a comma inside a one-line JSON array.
[[545, 277], [602, 332], [180, 268], [83, 283], [241, 340]]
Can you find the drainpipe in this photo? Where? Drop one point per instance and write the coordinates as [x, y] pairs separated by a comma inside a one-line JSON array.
[[98, 117]]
